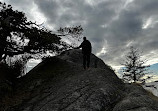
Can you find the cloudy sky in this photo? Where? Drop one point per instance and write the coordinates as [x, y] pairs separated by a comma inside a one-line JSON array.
[[112, 26]]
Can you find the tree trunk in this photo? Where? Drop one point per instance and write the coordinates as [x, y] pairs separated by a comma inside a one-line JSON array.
[[134, 77]]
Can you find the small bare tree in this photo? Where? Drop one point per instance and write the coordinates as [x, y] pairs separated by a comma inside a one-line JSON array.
[[71, 34], [134, 68]]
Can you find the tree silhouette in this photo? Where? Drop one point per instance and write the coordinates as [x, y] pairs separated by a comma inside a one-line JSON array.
[[134, 68], [19, 36]]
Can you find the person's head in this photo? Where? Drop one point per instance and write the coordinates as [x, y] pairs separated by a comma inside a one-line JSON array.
[[84, 38]]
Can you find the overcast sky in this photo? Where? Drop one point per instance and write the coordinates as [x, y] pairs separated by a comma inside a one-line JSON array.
[[112, 26]]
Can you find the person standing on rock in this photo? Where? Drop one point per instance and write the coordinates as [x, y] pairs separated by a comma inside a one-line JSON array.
[[86, 51]]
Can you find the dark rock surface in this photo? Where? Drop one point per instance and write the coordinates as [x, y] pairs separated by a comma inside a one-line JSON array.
[[61, 84], [137, 99], [75, 56]]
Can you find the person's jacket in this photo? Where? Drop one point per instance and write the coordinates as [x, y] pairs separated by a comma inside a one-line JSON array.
[[86, 47]]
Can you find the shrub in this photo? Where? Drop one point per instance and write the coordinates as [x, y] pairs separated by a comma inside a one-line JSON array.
[[13, 68]]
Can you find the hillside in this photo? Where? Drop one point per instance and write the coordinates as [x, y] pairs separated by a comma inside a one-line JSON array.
[[61, 84]]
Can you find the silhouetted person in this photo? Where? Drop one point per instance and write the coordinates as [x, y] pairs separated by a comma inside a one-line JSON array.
[[86, 51]]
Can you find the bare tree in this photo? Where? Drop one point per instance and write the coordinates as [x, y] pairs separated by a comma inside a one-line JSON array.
[[71, 34], [135, 67]]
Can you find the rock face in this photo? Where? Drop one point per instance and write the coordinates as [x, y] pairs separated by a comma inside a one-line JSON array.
[[152, 86], [137, 99], [61, 84], [75, 56]]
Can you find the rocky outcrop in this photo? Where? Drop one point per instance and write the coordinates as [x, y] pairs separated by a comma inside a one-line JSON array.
[[75, 56], [61, 84], [137, 99], [152, 87]]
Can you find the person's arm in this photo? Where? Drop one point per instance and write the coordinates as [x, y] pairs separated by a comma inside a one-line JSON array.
[[79, 46]]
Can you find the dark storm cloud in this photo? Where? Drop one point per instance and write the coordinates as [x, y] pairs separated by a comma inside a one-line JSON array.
[[49, 8], [146, 7], [128, 28], [22, 5], [111, 25]]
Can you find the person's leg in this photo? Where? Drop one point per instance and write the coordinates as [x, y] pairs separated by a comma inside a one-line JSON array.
[[84, 61], [88, 60]]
